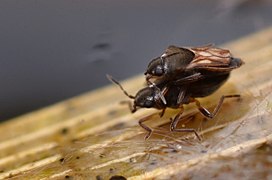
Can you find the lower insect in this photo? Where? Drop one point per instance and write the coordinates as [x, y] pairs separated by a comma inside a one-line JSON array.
[[155, 97]]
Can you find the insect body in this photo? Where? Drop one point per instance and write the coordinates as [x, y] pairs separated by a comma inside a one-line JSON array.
[[173, 60], [174, 95], [182, 61], [179, 76]]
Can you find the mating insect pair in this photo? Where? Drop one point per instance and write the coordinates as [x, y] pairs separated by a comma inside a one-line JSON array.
[[179, 76]]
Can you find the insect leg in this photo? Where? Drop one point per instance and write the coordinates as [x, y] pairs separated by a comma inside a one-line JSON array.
[[159, 92], [162, 112], [173, 125], [148, 129], [209, 114], [181, 95], [216, 69], [148, 80], [189, 79]]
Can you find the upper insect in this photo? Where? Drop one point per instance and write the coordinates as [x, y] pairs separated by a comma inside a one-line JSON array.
[[172, 60], [183, 61]]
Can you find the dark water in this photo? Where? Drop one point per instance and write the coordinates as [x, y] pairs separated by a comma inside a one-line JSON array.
[[55, 49]]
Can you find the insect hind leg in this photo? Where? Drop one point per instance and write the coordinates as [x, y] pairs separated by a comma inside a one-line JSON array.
[[209, 114]]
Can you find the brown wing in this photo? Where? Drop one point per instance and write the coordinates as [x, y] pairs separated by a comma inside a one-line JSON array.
[[213, 59]]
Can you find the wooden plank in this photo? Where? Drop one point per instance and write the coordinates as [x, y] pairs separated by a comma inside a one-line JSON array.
[[93, 136]]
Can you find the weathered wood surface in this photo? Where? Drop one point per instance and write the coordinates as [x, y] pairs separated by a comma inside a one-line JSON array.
[[92, 136]]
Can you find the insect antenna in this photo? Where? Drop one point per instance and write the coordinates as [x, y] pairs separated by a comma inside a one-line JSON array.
[[121, 87]]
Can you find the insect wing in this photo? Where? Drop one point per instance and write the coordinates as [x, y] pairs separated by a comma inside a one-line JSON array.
[[213, 59]]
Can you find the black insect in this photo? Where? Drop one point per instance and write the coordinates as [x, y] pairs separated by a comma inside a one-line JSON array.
[[174, 95], [179, 76], [180, 61]]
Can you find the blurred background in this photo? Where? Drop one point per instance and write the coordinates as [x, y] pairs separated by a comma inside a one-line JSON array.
[[55, 49]]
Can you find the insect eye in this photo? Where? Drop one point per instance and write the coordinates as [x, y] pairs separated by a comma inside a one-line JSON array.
[[148, 103], [158, 71]]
